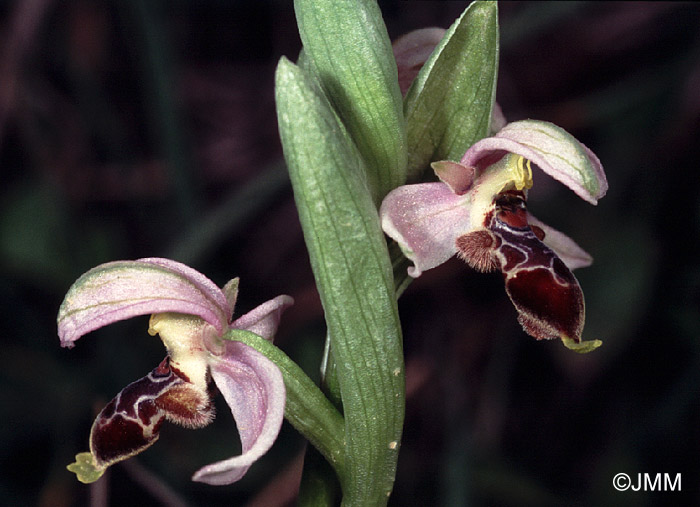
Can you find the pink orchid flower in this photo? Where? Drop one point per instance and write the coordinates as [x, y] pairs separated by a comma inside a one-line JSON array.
[[478, 211], [190, 314]]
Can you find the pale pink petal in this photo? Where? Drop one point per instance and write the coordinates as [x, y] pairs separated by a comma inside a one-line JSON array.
[[208, 288], [412, 50], [254, 390], [457, 176], [566, 248], [550, 147], [498, 119], [230, 290], [123, 289], [425, 220], [264, 319]]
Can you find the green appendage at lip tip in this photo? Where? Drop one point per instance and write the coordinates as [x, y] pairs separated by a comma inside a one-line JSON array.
[[582, 347], [85, 468]]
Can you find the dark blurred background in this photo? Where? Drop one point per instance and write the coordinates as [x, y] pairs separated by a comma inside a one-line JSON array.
[[134, 128]]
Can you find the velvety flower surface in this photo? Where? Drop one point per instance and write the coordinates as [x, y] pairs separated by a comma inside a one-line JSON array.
[[190, 314], [478, 211]]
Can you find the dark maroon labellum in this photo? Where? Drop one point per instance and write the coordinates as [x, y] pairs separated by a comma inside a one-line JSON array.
[[131, 422], [546, 294]]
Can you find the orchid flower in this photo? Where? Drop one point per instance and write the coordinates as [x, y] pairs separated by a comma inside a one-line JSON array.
[[478, 211], [190, 314]]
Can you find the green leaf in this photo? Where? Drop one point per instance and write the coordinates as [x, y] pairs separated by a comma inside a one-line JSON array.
[[347, 45], [307, 409], [448, 107], [353, 273]]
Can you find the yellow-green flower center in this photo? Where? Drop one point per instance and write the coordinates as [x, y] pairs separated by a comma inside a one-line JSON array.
[[184, 337], [512, 172], [521, 173]]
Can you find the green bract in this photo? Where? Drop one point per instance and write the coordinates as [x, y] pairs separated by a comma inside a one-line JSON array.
[[448, 107], [348, 48], [353, 273]]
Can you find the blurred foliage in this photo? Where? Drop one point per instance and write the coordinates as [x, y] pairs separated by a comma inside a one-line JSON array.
[[147, 128]]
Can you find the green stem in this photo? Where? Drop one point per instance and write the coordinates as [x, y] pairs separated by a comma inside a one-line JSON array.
[[319, 486]]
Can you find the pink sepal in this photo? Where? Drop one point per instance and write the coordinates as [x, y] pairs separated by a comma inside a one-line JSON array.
[[123, 289], [254, 390]]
